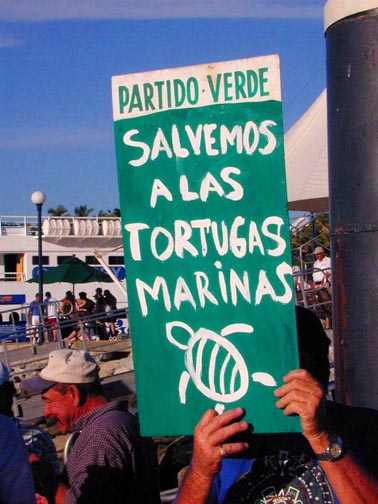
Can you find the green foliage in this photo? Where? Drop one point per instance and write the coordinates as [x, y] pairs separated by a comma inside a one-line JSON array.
[[57, 211], [83, 211]]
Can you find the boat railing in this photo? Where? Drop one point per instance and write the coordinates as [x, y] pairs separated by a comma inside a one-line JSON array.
[[12, 276], [65, 226], [16, 330]]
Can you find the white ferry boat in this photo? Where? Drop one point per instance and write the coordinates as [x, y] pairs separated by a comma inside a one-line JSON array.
[[62, 237]]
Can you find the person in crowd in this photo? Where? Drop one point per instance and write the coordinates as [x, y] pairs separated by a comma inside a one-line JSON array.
[[16, 482], [100, 310], [68, 311], [322, 268], [111, 304], [68, 305], [85, 305], [108, 461], [75, 335], [99, 301], [85, 308], [334, 459], [322, 283], [35, 320], [50, 305], [39, 445]]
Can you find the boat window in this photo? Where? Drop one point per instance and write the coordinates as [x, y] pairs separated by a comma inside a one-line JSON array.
[[62, 259], [91, 260], [114, 260], [45, 260]]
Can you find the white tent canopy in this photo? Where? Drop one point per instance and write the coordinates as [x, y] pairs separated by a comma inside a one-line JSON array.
[[306, 158]]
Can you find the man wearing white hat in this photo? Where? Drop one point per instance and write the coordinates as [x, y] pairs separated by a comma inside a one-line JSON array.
[[322, 268], [107, 461], [322, 283]]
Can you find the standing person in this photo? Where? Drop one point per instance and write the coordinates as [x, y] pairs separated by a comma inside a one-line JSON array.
[[322, 269], [51, 313], [68, 304], [16, 482], [86, 307], [99, 300], [322, 283], [111, 302], [100, 309], [35, 320], [333, 461], [108, 460], [68, 312]]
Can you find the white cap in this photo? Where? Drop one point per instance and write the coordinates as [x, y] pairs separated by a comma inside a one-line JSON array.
[[64, 366]]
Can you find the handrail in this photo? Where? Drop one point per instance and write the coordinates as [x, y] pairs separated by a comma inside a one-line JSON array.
[[62, 226]]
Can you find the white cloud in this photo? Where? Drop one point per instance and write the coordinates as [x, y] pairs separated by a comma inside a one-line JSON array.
[[40, 10]]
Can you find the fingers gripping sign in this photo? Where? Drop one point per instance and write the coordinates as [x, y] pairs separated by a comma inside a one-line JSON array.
[[211, 440], [303, 395]]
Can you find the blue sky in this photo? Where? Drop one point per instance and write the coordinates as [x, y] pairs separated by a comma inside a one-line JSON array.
[[57, 59]]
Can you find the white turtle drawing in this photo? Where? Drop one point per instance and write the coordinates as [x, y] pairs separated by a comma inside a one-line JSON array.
[[227, 379]]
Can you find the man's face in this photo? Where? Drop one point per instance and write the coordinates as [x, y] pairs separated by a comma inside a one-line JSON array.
[[59, 407], [319, 256]]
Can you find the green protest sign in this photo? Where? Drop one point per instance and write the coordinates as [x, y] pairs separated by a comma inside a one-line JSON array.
[[206, 239]]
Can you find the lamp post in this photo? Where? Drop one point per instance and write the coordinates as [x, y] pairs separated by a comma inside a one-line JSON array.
[[38, 198]]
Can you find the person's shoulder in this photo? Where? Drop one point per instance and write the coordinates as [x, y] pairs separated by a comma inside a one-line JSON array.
[[6, 421], [112, 411], [10, 429], [118, 415], [109, 422]]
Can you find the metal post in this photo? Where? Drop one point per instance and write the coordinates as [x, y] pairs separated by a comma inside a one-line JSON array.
[[352, 95], [40, 268], [38, 198]]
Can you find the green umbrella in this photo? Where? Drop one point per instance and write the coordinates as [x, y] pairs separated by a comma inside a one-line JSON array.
[[73, 271]]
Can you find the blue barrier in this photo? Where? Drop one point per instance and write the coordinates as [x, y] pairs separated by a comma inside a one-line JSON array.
[[9, 331]]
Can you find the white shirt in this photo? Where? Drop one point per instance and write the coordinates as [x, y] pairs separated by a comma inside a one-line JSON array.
[[51, 307], [325, 266]]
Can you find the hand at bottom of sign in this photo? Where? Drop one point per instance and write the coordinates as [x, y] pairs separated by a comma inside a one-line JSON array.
[[213, 440]]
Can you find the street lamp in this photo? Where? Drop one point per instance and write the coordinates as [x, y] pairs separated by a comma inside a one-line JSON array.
[[38, 198]]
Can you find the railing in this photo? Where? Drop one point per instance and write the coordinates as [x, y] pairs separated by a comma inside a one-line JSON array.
[[61, 226], [13, 276], [14, 325]]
